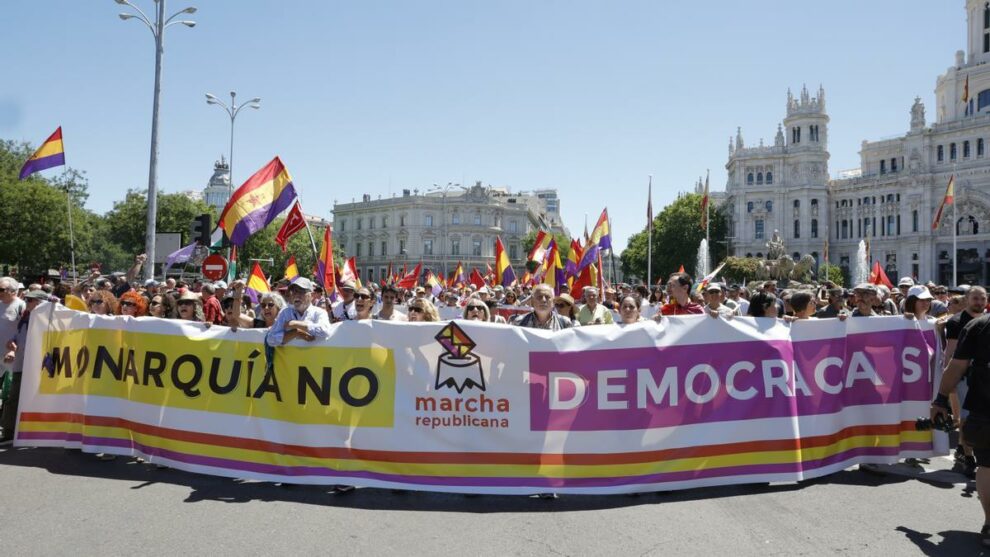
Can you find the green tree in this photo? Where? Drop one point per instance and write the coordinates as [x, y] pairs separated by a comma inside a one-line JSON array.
[[676, 236], [34, 229], [128, 219], [833, 273]]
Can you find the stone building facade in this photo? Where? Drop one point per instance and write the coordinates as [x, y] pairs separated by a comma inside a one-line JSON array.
[[889, 202], [440, 228]]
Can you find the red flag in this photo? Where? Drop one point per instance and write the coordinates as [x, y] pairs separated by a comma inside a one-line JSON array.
[[411, 279], [476, 278], [294, 222], [681, 270], [878, 276]]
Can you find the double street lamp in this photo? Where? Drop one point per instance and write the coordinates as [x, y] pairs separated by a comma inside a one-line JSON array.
[[233, 110], [157, 28]]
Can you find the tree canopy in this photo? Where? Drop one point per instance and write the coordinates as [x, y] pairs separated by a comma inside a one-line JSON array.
[[677, 233]]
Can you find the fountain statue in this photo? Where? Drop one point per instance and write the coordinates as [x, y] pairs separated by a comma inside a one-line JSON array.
[[861, 270]]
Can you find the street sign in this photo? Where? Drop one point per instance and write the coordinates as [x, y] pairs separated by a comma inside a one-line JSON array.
[[214, 267]]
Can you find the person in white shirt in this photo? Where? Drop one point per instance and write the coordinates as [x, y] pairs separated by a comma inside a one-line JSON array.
[[300, 319]]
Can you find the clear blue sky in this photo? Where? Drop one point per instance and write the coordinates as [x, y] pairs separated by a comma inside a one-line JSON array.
[[372, 97]]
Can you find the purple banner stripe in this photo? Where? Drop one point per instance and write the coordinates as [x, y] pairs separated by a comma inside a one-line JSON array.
[[262, 216], [36, 165], [662, 477]]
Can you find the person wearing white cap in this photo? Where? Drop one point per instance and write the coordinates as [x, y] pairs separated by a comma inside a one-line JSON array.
[[917, 303], [300, 319]]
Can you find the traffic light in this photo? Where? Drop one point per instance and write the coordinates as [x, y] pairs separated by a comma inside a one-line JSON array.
[[200, 230]]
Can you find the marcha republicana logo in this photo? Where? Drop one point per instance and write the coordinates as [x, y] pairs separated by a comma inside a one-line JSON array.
[[458, 368]]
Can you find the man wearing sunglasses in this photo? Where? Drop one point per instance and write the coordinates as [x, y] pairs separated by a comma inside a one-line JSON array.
[[300, 319]]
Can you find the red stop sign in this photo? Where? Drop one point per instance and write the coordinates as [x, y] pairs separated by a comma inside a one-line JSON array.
[[214, 267]]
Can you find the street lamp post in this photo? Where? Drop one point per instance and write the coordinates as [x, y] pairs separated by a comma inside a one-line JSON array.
[[157, 29], [233, 110]]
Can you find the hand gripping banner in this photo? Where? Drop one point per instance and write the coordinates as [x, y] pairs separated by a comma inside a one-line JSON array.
[[475, 407]]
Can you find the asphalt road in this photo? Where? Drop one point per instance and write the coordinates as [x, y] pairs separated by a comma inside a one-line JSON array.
[[55, 502]]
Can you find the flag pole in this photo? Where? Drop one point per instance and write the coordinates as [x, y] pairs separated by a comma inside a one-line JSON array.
[[649, 244], [708, 223], [955, 227]]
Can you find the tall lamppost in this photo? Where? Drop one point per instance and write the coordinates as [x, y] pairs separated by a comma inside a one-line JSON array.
[[157, 28], [233, 110]]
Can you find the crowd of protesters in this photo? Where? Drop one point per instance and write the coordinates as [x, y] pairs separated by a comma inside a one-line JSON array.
[[301, 310]]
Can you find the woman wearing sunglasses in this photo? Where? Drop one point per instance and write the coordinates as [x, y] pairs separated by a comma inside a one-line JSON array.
[[564, 304], [102, 302], [363, 303], [190, 307], [271, 303], [163, 306], [133, 304], [476, 310], [421, 309]]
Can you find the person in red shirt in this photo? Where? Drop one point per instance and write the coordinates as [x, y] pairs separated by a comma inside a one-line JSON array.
[[679, 292], [212, 311]]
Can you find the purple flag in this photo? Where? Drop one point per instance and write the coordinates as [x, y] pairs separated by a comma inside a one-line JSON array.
[[180, 256]]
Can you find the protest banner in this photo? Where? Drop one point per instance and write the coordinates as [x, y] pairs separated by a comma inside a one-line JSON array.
[[475, 407]]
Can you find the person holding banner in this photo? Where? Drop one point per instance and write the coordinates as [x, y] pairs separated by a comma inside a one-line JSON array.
[[629, 310], [301, 320], [679, 292], [387, 311], [542, 316], [476, 310], [14, 359], [421, 309]]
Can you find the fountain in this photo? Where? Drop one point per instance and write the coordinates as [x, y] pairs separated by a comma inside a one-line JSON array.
[[861, 270], [701, 266]]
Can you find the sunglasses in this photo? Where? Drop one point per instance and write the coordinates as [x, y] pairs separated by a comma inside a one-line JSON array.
[[268, 305], [363, 297], [187, 304], [96, 302], [127, 304], [479, 308], [560, 305], [417, 309], [154, 303]]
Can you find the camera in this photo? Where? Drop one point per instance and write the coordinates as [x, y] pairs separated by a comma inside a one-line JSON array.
[[941, 422]]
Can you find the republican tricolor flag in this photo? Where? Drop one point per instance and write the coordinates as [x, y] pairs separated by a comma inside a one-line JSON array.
[[257, 283], [504, 274], [49, 155], [950, 191]]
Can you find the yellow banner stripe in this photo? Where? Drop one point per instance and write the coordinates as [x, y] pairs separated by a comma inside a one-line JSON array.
[[487, 470]]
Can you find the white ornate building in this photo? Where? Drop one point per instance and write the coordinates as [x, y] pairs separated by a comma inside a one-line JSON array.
[[441, 228], [891, 199], [217, 192]]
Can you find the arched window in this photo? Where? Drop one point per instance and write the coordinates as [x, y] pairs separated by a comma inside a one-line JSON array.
[[769, 206], [814, 203], [749, 207], [966, 149], [940, 153], [797, 228], [769, 177], [797, 203], [845, 229], [814, 228], [795, 256], [759, 178], [759, 254], [952, 151], [749, 254], [749, 178], [979, 147]]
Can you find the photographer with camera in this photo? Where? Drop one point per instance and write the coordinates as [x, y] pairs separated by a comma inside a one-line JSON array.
[[972, 358]]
